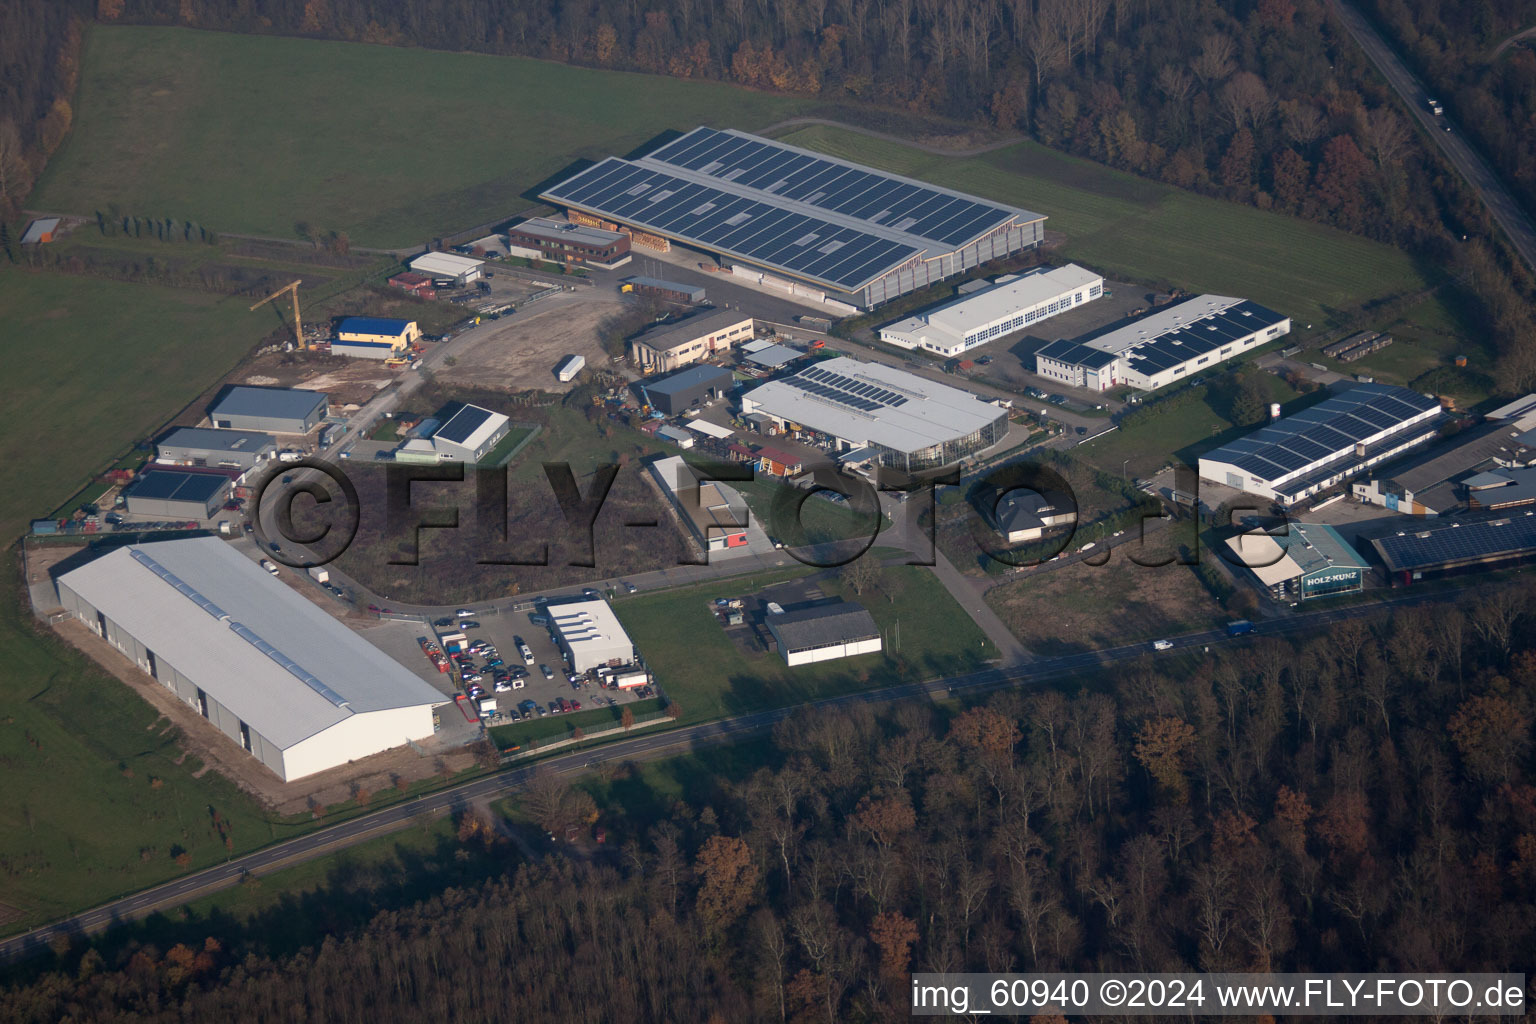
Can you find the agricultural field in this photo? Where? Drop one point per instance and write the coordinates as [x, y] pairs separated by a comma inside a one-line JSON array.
[[106, 363], [711, 676], [256, 133], [1139, 230]]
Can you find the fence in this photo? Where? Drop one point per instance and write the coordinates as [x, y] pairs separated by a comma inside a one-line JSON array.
[[538, 747]]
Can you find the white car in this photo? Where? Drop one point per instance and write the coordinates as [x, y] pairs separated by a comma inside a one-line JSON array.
[[464, 613], [1162, 645]]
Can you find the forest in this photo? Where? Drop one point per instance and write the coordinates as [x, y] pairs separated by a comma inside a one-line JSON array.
[[1360, 799]]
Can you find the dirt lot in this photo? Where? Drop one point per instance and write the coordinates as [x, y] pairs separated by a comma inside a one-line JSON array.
[[349, 382], [522, 351], [1081, 607]]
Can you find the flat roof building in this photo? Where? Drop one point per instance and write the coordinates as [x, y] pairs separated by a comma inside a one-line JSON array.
[[1163, 347], [419, 285], [1456, 546], [285, 681], [912, 422], [668, 347], [1310, 560], [176, 494], [565, 242], [713, 511], [460, 269], [1308, 452], [981, 315], [590, 634], [825, 632], [672, 291], [203, 446], [278, 410], [687, 388], [470, 433], [823, 228], [371, 337]]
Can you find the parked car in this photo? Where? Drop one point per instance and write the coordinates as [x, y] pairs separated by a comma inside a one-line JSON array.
[[984, 360], [502, 686], [468, 624], [464, 613], [547, 673], [591, 592], [575, 705], [629, 588], [554, 707]]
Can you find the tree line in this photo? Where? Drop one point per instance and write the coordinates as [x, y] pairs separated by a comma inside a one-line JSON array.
[[39, 68], [1358, 799]]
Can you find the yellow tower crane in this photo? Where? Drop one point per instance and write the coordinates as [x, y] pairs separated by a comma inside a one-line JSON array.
[[298, 324]]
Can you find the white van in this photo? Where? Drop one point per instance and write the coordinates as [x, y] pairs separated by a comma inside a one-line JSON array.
[[270, 566]]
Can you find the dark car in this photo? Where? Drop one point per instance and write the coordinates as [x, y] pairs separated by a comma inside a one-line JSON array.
[[275, 546], [984, 360], [443, 623], [547, 673], [468, 624]]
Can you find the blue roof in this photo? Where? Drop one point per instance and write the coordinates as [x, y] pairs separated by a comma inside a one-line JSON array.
[[373, 325]]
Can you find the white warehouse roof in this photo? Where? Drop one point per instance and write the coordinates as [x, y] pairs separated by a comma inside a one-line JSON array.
[[947, 325], [870, 402], [448, 263], [592, 632], [288, 669]]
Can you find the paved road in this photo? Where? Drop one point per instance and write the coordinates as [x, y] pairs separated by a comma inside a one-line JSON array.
[[645, 747], [1501, 204]]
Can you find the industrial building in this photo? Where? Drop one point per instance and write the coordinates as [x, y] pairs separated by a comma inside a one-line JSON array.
[[911, 422], [1455, 546], [1021, 514], [419, 285], [373, 337], [564, 242], [275, 410], [1341, 437], [825, 632], [590, 634], [1011, 304], [469, 434], [1307, 561], [287, 682], [1434, 483], [450, 266], [714, 512], [687, 388], [40, 231], [1163, 347], [656, 288], [203, 446], [669, 347], [177, 494], [820, 228]]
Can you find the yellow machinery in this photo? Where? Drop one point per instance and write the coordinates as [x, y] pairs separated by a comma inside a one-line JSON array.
[[298, 324]]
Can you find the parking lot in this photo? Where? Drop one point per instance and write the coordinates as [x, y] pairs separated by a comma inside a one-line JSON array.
[[502, 631]]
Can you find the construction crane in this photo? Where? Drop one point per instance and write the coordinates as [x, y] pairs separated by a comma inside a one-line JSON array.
[[298, 324]]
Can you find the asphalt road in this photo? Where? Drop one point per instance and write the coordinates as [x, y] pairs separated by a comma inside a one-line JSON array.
[[1508, 213], [644, 747]]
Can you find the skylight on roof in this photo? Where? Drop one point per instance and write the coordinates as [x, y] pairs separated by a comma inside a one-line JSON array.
[[635, 190], [736, 220]]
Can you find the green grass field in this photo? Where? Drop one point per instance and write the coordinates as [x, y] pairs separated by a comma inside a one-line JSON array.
[[1132, 228], [701, 668], [392, 145], [103, 364]]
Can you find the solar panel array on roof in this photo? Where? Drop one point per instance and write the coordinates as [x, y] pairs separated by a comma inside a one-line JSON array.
[[789, 173], [1207, 334], [462, 424], [1328, 429], [173, 486], [1076, 354], [861, 395], [1461, 540], [783, 207]]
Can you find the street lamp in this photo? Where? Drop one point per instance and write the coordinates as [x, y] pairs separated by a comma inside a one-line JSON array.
[[1123, 463]]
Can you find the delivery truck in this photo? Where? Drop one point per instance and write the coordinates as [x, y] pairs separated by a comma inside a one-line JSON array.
[[319, 574]]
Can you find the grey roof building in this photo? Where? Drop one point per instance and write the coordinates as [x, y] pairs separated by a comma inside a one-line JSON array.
[[176, 494], [686, 388], [280, 410], [912, 422], [470, 433], [1452, 546], [1432, 483], [288, 683], [202, 446], [824, 632]]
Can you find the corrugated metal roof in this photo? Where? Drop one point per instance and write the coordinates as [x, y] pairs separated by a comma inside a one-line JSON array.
[[383, 326], [840, 622], [209, 439], [288, 671], [282, 403]]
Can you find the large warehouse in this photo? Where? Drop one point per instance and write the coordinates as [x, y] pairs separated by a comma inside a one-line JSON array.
[[826, 632], [1456, 546], [1308, 452], [203, 446], [814, 225], [670, 346], [1010, 304], [176, 494], [1163, 347], [286, 681], [1310, 560], [277, 410], [911, 422], [590, 634]]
